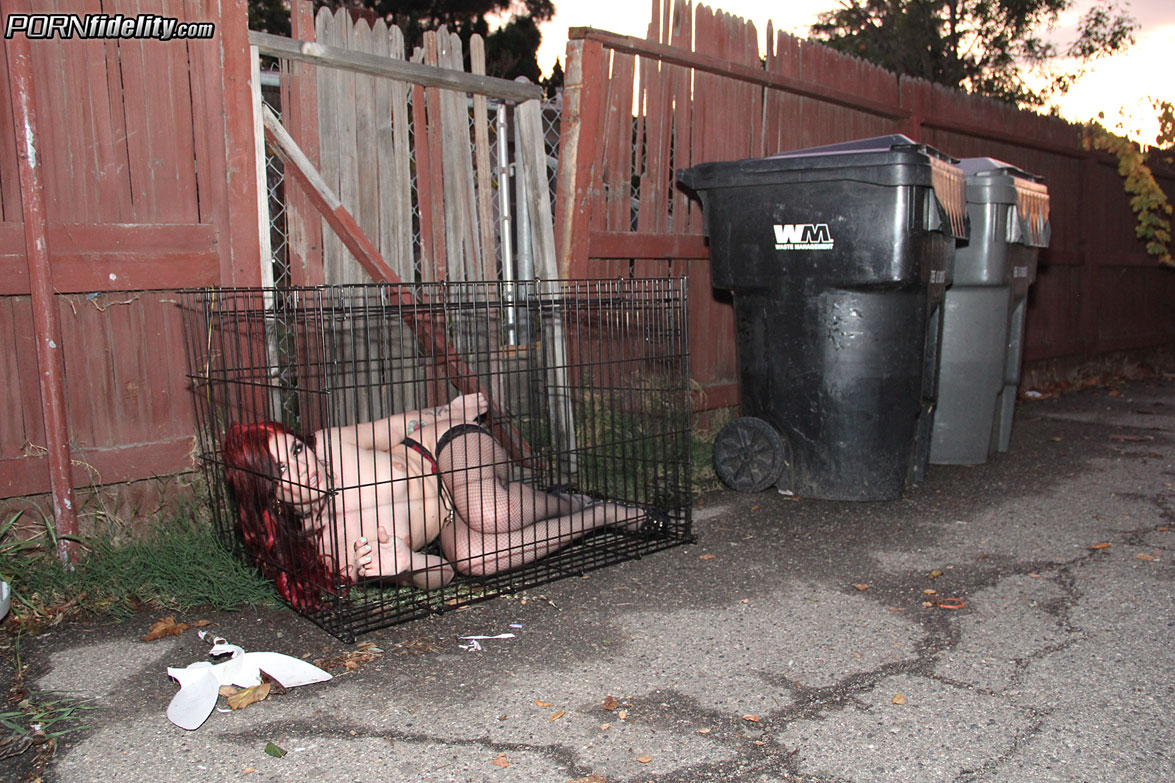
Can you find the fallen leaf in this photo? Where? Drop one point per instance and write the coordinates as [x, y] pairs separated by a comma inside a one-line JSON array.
[[556, 716], [899, 699], [1102, 545], [644, 758], [704, 730], [1141, 556], [201, 623], [538, 703], [706, 557], [1034, 575], [500, 761], [610, 703], [755, 508], [228, 690], [862, 587], [274, 750], [248, 771], [592, 778], [243, 698], [350, 661], [930, 592], [752, 718], [935, 574], [623, 715], [605, 726], [164, 628]]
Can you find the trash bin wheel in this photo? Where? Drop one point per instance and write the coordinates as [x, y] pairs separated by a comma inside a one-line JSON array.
[[748, 454]]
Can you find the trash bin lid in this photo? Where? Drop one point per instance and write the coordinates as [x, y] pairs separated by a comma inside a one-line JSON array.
[[893, 160], [991, 181]]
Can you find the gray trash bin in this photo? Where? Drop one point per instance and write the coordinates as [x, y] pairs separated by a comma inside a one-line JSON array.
[[983, 312]]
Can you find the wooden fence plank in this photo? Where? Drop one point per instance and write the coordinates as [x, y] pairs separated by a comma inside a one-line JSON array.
[[401, 185], [300, 113], [485, 184]]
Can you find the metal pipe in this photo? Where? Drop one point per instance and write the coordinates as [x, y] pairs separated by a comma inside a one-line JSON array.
[[506, 225]]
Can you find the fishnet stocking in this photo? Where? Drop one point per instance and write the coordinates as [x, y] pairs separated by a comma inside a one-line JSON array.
[[503, 524]]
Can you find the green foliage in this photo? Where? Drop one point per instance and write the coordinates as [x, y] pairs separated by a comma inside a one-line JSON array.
[[179, 564], [1149, 203], [976, 45]]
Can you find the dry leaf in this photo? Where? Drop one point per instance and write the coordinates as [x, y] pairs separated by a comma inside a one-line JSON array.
[[592, 778], [248, 771], [935, 574], [610, 703], [1146, 557], [228, 690], [862, 587], [704, 731], [164, 628], [930, 592], [623, 715], [501, 761], [556, 716], [243, 698], [201, 623], [706, 557], [605, 726], [752, 718], [1102, 545], [644, 758], [538, 703], [899, 699]]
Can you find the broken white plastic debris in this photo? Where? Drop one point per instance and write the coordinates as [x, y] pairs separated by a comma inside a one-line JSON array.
[[475, 641], [1033, 394], [200, 682], [5, 599]]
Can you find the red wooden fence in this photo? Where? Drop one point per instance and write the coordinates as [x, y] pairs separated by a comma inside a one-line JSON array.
[[144, 178], [704, 92]]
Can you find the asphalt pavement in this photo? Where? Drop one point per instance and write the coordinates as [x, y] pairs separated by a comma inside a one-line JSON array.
[[1006, 623]]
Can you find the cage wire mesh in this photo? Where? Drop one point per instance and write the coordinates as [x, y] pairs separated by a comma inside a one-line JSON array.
[[580, 461]]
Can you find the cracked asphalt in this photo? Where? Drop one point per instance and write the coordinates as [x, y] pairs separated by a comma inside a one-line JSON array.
[[796, 641]]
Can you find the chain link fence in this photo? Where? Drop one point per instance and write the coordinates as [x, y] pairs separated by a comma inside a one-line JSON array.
[[512, 262]]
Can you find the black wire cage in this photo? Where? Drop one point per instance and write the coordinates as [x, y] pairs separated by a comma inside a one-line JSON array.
[[323, 413]]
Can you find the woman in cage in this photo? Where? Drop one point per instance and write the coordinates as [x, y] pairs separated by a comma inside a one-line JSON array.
[[389, 488]]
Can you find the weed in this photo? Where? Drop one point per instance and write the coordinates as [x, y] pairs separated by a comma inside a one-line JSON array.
[[179, 564], [36, 719]]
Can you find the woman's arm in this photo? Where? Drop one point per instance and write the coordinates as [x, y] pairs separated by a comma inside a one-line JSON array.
[[385, 433], [394, 558]]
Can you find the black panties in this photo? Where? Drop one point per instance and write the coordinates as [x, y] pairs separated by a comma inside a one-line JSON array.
[[456, 432]]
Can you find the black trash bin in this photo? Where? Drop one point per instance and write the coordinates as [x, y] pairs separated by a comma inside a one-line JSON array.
[[983, 312], [838, 258]]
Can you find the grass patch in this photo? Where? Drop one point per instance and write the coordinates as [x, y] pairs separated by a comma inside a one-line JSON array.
[[180, 564]]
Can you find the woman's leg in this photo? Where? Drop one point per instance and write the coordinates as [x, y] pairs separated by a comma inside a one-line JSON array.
[[480, 552], [475, 468]]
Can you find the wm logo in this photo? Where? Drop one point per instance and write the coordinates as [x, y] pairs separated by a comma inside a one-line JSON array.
[[802, 236]]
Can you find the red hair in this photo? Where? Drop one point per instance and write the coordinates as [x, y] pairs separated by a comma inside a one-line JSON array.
[[273, 531]]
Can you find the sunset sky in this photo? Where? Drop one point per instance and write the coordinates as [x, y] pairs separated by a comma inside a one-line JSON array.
[[1120, 86]]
